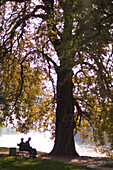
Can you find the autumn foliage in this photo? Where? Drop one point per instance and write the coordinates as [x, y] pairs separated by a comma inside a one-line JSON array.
[[56, 69]]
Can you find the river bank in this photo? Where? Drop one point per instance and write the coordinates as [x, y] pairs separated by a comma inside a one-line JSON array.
[[43, 143], [92, 162]]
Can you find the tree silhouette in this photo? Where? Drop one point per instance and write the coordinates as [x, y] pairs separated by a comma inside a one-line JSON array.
[[72, 39]]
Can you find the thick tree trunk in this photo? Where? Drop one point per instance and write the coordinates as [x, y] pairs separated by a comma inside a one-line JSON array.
[[64, 139]]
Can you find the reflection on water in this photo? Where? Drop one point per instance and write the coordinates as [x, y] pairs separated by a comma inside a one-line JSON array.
[[86, 148], [43, 143]]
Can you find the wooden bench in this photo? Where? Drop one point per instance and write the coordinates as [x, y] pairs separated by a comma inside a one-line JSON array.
[[12, 151], [24, 151]]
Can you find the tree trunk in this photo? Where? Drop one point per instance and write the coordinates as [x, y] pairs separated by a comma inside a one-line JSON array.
[[64, 139]]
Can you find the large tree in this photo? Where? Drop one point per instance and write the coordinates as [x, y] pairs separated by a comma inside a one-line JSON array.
[[68, 38]]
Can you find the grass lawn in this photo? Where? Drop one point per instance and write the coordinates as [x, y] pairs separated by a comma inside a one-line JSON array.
[[20, 163], [4, 149], [109, 165]]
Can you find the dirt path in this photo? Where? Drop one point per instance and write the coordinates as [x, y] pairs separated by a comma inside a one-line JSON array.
[[93, 162]]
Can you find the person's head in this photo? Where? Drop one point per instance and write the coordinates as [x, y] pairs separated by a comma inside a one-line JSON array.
[[29, 139], [22, 139]]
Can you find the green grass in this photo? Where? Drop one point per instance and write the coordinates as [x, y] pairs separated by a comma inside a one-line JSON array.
[[4, 149], [20, 163], [110, 165]]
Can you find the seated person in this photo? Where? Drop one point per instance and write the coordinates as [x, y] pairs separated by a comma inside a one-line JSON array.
[[31, 150], [21, 143]]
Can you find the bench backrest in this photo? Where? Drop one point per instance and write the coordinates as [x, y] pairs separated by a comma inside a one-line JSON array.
[[24, 147]]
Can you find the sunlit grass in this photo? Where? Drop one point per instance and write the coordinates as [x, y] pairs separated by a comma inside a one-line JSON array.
[[21, 163], [4, 149]]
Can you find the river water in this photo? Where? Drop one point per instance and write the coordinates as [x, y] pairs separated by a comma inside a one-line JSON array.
[[42, 142]]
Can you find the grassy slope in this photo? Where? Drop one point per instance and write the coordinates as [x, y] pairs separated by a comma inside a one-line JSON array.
[[10, 163], [4, 149], [17, 163], [109, 165]]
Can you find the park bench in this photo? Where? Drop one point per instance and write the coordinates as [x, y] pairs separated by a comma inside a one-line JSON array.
[[24, 150], [21, 151]]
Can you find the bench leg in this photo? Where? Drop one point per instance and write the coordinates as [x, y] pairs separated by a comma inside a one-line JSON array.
[[12, 151]]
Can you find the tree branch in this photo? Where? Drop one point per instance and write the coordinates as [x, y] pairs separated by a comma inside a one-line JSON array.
[[49, 5], [22, 77], [38, 7], [50, 60], [20, 1], [22, 82], [82, 113]]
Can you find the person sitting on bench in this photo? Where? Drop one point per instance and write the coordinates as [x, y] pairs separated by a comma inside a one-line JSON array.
[[31, 150], [21, 143], [26, 147]]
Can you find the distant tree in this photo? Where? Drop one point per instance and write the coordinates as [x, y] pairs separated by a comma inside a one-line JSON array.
[[73, 40]]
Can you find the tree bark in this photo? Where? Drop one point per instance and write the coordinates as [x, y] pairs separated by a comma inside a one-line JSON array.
[[64, 138]]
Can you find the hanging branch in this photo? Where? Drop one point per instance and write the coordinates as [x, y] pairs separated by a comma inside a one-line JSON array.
[[49, 5], [22, 21], [22, 78], [110, 56], [85, 102], [15, 0], [22, 82], [80, 112], [55, 66], [18, 1], [50, 60]]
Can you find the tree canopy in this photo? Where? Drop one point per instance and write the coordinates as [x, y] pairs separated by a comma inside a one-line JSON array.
[[71, 40]]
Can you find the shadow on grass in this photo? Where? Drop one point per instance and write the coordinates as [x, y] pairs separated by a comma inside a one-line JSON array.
[[109, 165], [20, 163]]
